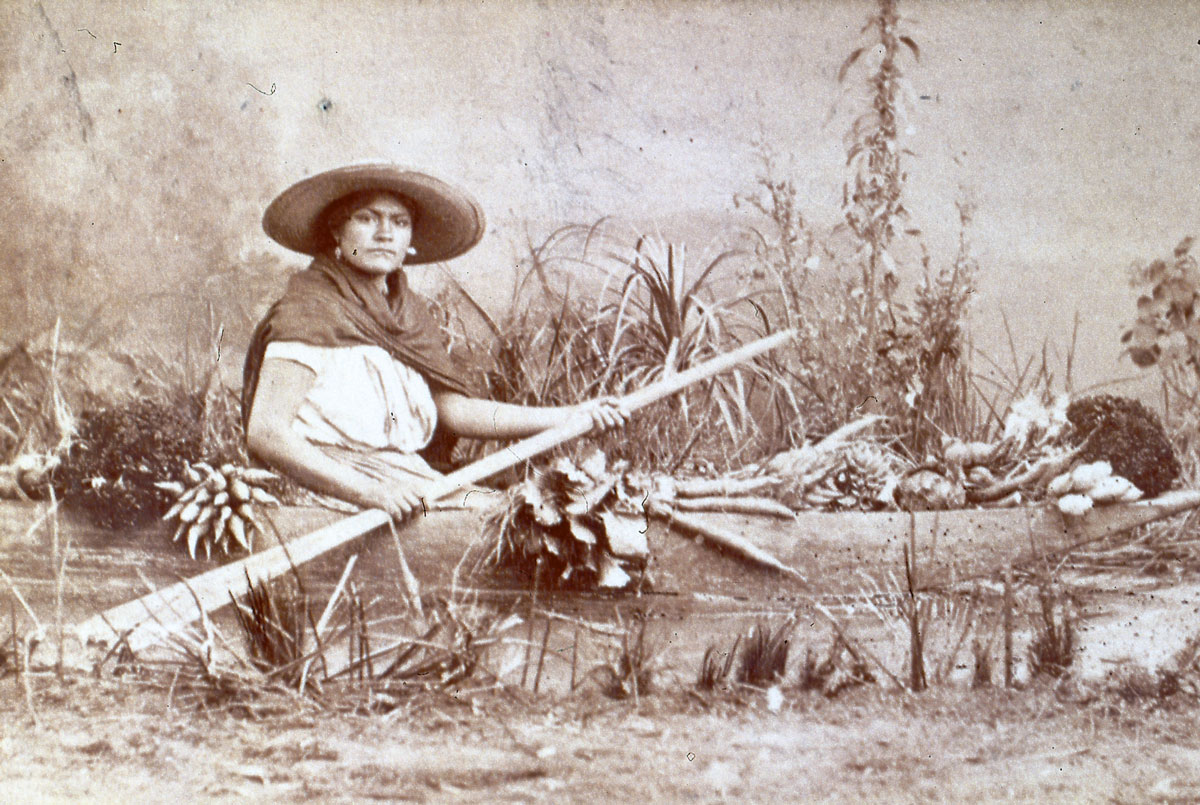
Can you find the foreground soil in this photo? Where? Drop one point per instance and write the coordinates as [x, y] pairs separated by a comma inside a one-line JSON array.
[[132, 740]]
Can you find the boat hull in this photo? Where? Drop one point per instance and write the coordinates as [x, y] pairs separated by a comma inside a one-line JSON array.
[[832, 554]]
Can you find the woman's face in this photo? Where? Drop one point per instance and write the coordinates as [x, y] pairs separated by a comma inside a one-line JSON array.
[[376, 236]]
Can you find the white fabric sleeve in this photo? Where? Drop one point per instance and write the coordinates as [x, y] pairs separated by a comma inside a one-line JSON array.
[[297, 352]]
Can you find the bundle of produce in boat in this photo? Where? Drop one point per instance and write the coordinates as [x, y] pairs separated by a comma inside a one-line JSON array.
[[722, 493], [217, 510], [928, 488], [1093, 451], [857, 475], [120, 453], [1127, 435], [843, 471], [573, 525], [1089, 485], [1014, 470]]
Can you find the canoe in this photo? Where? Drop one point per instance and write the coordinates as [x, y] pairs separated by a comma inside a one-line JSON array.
[[833, 554]]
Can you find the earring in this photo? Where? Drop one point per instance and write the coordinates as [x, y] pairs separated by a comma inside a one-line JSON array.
[[412, 250], [337, 253]]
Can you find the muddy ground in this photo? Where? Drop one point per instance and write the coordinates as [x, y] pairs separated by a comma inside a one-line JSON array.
[[120, 740], [1106, 732]]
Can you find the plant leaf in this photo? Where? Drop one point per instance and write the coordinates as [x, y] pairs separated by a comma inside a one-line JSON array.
[[627, 536]]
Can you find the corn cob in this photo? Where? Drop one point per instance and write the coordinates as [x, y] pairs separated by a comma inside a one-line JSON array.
[[239, 490], [237, 528], [193, 538], [253, 475], [260, 495]]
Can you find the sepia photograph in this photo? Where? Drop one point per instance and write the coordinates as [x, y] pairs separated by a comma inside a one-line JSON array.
[[548, 400]]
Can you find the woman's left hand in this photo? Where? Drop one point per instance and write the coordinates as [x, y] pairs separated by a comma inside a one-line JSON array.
[[607, 413]]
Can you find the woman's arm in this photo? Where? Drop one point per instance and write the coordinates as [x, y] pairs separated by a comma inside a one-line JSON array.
[[282, 387], [484, 419]]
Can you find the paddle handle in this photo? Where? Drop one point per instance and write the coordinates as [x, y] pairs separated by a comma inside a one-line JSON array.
[[577, 426]]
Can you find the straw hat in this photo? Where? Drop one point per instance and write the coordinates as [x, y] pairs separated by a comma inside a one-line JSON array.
[[446, 221]]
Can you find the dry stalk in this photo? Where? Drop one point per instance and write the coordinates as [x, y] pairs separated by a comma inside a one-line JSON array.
[[23, 661], [1008, 628], [412, 590], [857, 651], [60, 573], [574, 657], [915, 612], [37, 625], [537, 677], [591, 626], [323, 622]]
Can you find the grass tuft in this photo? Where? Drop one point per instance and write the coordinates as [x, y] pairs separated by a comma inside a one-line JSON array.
[[1052, 651], [629, 674], [714, 672], [840, 669], [273, 622], [765, 655]]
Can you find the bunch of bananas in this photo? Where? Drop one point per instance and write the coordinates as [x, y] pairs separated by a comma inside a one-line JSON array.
[[218, 509], [1088, 485]]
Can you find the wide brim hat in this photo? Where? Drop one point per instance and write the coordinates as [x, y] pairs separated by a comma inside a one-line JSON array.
[[446, 220]]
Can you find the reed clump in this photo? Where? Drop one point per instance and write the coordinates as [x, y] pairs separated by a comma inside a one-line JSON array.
[[765, 655], [714, 671], [1052, 651], [648, 311], [630, 672]]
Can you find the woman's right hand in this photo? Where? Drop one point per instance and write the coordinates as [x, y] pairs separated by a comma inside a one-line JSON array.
[[400, 502]]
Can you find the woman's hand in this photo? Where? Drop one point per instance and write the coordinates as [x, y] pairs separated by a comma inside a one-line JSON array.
[[607, 413], [486, 419], [400, 502]]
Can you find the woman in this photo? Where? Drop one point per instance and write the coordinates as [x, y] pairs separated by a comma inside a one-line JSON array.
[[348, 377]]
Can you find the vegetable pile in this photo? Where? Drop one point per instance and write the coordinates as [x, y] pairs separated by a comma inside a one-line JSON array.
[[1093, 451], [584, 525], [1090, 484], [573, 525]]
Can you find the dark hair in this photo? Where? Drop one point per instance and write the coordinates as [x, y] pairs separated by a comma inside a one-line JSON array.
[[340, 210]]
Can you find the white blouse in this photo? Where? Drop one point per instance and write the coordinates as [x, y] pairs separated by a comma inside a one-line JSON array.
[[362, 398]]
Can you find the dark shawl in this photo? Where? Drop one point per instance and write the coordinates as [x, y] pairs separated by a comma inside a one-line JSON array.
[[332, 305]]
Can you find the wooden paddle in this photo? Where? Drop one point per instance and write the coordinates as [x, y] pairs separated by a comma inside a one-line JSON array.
[[145, 620]]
